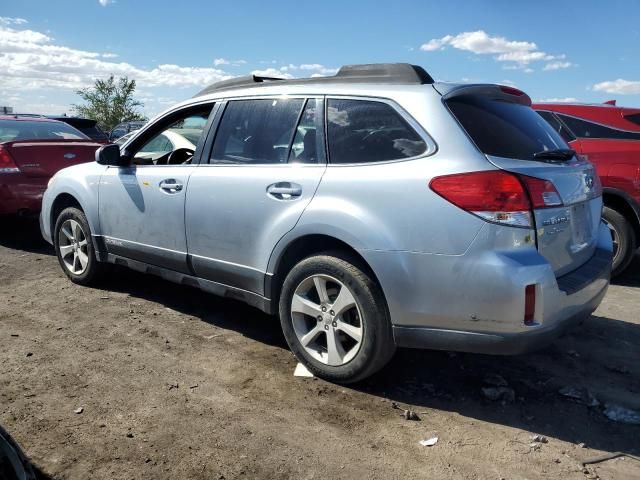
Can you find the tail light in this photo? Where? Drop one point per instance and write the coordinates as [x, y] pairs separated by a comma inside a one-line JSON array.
[[498, 196], [7, 164]]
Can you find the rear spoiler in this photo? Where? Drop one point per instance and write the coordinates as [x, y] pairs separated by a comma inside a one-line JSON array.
[[498, 92]]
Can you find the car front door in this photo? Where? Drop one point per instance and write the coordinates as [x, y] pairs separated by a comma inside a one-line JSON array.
[[265, 165], [141, 205]]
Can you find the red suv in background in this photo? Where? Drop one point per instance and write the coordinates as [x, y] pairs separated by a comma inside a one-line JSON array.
[[609, 137]]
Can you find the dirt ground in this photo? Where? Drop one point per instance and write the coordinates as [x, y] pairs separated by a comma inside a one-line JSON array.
[[175, 383]]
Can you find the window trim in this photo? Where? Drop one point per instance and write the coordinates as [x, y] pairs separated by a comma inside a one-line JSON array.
[[222, 105], [432, 146]]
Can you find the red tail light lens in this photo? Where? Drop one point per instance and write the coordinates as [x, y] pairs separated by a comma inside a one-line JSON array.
[[511, 90], [542, 192], [496, 196], [7, 164]]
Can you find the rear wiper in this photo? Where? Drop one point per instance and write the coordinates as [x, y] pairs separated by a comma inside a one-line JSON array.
[[558, 154]]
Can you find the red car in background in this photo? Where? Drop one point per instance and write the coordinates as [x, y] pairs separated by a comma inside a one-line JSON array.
[[609, 137], [32, 150]]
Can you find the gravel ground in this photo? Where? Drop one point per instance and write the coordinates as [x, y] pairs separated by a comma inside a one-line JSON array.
[[175, 383]]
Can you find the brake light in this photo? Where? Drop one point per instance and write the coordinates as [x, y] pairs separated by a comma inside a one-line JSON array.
[[496, 196], [7, 164], [511, 91], [542, 192]]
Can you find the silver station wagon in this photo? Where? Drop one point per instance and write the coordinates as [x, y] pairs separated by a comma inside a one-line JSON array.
[[370, 210]]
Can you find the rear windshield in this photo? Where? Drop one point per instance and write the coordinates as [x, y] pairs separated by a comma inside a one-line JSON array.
[[93, 132], [37, 130], [504, 129]]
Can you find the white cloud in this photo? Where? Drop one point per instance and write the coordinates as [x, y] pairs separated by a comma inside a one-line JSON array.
[[557, 100], [291, 71], [272, 72], [32, 60], [223, 61], [557, 65], [504, 50], [12, 21], [619, 86], [104, 3]]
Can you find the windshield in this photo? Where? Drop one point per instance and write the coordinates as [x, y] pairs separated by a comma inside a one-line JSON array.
[[505, 129], [38, 130]]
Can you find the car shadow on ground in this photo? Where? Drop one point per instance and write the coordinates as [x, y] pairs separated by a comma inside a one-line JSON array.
[[631, 276], [23, 233], [598, 359]]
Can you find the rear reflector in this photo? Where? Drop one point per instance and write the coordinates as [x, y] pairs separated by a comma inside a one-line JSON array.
[[529, 304], [7, 164], [511, 91], [495, 195]]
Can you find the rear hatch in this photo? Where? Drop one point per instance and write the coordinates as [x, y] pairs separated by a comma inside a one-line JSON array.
[[39, 148], [514, 138]]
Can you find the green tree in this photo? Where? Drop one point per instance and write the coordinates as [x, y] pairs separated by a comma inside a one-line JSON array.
[[110, 102]]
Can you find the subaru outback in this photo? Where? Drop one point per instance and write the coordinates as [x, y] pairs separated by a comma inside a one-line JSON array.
[[370, 210]]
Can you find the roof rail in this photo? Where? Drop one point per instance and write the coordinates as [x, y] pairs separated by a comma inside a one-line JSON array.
[[236, 82], [391, 73]]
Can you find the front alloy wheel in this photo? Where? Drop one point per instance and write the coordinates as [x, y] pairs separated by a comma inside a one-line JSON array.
[[72, 244]]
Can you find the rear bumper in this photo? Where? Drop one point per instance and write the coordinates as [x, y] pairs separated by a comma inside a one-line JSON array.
[[19, 193], [475, 302], [500, 343]]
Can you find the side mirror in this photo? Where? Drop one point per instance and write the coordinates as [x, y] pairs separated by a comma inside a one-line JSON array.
[[110, 155]]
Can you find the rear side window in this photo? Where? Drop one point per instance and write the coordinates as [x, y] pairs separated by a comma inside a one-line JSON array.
[[633, 118], [256, 131], [363, 131], [557, 126], [34, 130], [504, 129], [585, 129]]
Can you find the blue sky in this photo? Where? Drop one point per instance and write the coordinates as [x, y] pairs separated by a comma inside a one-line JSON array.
[[563, 50]]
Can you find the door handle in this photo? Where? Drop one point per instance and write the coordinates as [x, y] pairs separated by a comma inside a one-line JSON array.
[[284, 190], [171, 186]]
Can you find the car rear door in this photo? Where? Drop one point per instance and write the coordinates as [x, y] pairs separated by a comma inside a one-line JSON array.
[[265, 165]]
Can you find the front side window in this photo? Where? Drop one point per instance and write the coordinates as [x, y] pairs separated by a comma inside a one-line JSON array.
[[586, 129], [256, 131], [363, 131], [173, 143]]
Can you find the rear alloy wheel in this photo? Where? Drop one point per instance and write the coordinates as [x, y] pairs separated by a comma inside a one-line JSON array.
[[335, 319], [623, 238], [74, 248]]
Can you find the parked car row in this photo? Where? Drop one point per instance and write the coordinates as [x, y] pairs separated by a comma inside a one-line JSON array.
[[373, 209]]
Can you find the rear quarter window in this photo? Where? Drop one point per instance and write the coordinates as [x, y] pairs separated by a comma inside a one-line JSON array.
[[364, 131]]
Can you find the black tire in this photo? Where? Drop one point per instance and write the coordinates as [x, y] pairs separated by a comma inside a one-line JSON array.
[[376, 347], [94, 270], [624, 234]]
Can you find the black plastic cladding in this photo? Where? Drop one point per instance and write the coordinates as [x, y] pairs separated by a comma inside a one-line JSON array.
[[392, 73]]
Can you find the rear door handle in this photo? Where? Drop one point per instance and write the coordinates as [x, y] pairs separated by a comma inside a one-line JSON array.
[[170, 185], [284, 190]]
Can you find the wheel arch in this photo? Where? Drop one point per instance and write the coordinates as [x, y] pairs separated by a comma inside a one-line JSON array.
[[622, 202], [286, 256]]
